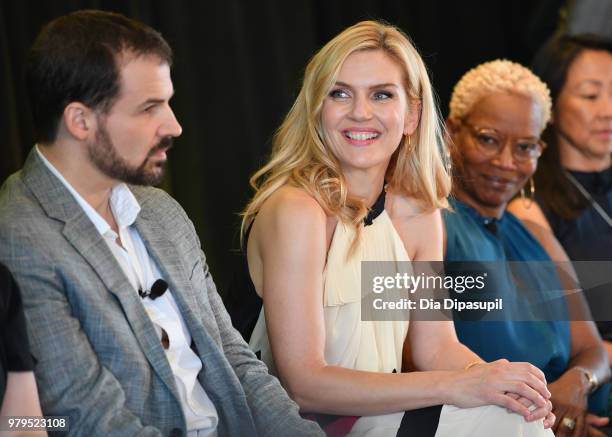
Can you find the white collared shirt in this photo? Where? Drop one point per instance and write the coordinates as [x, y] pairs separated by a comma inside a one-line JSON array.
[[140, 269]]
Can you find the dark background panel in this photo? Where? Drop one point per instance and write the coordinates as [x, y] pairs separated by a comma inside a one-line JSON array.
[[238, 66]]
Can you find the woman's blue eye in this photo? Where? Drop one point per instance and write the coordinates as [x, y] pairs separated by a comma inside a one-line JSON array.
[[382, 95], [339, 94]]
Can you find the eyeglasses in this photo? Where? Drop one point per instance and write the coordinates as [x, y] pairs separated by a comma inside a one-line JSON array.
[[491, 142]]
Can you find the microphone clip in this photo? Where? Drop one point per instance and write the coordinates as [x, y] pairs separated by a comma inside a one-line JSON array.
[[158, 288]]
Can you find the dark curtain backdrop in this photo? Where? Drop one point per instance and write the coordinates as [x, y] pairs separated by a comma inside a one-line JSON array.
[[238, 66]]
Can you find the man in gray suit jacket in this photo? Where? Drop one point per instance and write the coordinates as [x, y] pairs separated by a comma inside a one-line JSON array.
[[127, 328]]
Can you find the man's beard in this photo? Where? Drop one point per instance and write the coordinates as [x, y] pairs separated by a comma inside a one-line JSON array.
[[104, 156]]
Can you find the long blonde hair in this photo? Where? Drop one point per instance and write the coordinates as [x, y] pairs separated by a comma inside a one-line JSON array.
[[300, 158]]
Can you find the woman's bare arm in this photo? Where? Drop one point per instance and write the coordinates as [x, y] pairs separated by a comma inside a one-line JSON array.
[[587, 348], [21, 399], [289, 237]]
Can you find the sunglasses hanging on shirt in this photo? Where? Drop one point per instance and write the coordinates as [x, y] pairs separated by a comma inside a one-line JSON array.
[[158, 288]]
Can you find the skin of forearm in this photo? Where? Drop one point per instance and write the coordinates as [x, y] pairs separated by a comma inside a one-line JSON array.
[[337, 390], [450, 355], [21, 399]]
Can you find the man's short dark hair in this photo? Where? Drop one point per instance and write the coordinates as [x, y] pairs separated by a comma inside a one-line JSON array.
[[76, 58]]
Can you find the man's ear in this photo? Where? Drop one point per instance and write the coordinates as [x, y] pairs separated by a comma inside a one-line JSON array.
[[80, 120], [413, 116]]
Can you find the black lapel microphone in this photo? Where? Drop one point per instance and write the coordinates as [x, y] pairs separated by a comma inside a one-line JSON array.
[[158, 288]]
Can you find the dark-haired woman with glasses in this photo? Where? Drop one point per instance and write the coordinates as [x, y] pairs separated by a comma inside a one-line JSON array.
[[498, 111]]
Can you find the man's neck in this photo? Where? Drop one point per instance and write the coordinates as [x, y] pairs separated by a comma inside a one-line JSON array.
[[84, 178]]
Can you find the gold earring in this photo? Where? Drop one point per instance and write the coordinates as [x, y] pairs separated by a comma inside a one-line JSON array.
[[409, 143], [528, 201]]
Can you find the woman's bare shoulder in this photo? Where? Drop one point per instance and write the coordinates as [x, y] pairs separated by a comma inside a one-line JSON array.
[[289, 228], [419, 228], [288, 216], [291, 205], [401, 206]]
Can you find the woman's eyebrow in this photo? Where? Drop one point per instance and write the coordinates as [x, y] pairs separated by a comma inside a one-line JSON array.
[[378, 85], [585, 82]]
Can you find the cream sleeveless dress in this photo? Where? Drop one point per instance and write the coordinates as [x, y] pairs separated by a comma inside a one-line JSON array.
[[377, 346]]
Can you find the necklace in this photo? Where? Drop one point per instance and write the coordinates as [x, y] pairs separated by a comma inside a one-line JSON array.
[[604, 215]]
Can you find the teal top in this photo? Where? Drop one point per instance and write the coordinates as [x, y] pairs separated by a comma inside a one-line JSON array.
[[515, 263]]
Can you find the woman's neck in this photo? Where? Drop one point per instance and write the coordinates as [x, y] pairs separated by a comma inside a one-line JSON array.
[[365, 185], [483, 210]]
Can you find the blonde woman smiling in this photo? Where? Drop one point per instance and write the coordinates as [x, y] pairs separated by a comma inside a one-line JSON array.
[[357, 173]]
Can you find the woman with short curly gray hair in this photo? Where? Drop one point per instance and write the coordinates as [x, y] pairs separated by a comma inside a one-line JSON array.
[[498, 111], [498, 76]]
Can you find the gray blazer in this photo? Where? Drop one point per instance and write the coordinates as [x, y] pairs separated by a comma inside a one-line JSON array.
[[99, 360]]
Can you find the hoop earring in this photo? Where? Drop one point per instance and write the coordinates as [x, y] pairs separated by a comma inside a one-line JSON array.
[[528, 201]]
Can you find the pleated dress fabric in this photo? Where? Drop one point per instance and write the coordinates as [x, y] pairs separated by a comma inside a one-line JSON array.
[[376, 346]]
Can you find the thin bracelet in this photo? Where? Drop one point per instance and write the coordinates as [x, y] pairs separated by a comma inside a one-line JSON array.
[[592, 379]]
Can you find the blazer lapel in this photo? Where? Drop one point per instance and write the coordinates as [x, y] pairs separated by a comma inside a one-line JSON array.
[[217, 376], [59, 203], [172, 266]]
